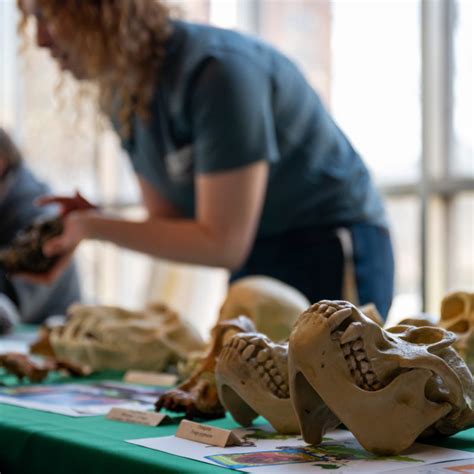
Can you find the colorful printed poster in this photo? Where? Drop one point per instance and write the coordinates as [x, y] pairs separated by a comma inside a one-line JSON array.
[[268, 452], [80, 399]]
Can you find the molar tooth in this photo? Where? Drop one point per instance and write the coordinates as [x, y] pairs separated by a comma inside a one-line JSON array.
[[357, 376], [274, 372], [277, 379], [284, 388], [352, 362], [282, 394], [377, 386], [370, 377], [353, 332], [360, 355], [247, 353], [263, 355], [266, 378], [269, 364], [322, 308], [364, 366], [272, 387], [242, 345], [346, 349], [357, 345], [338, 317]]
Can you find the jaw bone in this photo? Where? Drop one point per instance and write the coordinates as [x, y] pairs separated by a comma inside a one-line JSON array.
[[252, 380]]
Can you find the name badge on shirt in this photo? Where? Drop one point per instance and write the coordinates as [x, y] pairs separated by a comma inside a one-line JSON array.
[[179, 164]]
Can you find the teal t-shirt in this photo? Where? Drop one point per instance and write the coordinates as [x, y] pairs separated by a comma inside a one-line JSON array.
[[225, 100]]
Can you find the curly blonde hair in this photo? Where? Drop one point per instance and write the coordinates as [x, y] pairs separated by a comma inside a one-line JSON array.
[[129, 34]]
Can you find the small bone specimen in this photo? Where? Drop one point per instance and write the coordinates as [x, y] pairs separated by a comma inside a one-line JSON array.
[[22, 366], [457, 315], [270, 304], [25, 253], [387, 386], [252, 380]]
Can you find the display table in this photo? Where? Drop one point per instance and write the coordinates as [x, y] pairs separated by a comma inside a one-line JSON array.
[[37, 442]]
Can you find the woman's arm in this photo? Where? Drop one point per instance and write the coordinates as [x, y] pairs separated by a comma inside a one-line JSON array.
[[228, 209], [156, 205]]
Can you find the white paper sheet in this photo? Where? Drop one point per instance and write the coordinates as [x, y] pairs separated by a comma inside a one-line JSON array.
[[77, 399], [273, 453]]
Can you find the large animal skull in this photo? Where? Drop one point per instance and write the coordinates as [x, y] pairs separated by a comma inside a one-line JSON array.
[[106, 337], [457, 315], [252, 380], [272, 305], [387, 387]]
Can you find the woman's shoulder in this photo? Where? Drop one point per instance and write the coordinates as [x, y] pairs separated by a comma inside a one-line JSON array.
[[192, 44]]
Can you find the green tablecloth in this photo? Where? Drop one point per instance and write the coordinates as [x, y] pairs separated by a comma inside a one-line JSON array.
[[37, 442]]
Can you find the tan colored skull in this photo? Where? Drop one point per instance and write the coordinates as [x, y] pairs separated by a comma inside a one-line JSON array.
[[252, 380], [107, 337], [272, 305], [387, 387], [457, 315]]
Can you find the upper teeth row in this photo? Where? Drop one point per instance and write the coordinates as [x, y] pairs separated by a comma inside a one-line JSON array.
[[255, 353], [359, 364]]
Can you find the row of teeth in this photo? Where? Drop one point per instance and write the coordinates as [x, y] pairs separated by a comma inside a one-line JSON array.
[[352, 346], [255, 353]]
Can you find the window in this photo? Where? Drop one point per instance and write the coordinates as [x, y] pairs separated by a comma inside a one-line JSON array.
[[408, 112]]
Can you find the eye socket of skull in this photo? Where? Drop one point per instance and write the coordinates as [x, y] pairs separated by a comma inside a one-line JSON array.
[[434, 337]]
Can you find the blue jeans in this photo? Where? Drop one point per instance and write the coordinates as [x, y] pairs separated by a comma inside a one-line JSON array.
[[313, 262]]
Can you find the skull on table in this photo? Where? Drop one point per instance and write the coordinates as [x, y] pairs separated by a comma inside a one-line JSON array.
[[457, 315], [107, 337], [387, 386], [252, 380]]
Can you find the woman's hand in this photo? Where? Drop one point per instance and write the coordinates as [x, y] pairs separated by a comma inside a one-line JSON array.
[[75, 211], [66, 203]]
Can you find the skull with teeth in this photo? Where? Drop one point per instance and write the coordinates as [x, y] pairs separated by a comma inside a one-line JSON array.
[[254, 303], [457, 315], [252, 380], [387, 386], [108, 337]]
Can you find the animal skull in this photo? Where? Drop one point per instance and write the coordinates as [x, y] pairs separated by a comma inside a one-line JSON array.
[[272, 305], [25, 253], [387, 387], [107, 337], [252, 380], [457, 315]]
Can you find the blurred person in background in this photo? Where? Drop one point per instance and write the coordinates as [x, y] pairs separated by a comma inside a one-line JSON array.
[[239, 163], [22, 301]]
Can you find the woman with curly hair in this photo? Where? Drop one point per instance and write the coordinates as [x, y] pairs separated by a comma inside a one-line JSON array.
[[239, 163]]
